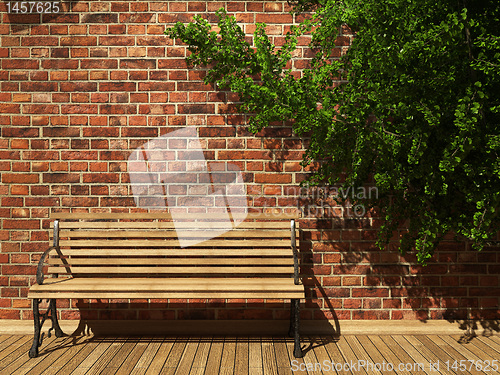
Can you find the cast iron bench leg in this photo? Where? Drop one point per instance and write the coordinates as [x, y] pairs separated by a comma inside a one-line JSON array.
[[55, 323], [292, 319], [38, 337], [297, 350]]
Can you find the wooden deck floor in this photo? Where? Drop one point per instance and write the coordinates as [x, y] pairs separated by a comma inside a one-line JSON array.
[[408, 354]]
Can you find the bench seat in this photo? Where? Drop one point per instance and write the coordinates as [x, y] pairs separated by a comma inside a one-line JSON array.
[[167, 288]]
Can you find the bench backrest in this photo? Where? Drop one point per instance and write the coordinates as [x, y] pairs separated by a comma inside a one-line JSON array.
[[147, 245]]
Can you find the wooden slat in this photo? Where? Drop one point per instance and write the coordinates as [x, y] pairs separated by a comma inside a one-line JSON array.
[[168, 284], [171, 261], [175, 252], [172, 243], [170, 234], [148, 295], [166, 225], [181, 269], [164, 215]]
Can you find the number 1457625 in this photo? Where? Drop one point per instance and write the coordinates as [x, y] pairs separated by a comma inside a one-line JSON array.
[[33, 7]]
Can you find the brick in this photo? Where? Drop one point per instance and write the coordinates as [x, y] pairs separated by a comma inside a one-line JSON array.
[[20, 64], [117, 109], [21, 224], [99, 64], [51, 202], [39, 86], [137, 18], [60, 18], [116, 41], [58, 30], [9, 108], [156, 86], [79, 41], [117, 86], [79, 109], [100, 18], [137, 64], [61, 178], [273, 178], [40, 108], [78, 86], [20, 178], [273, 18]]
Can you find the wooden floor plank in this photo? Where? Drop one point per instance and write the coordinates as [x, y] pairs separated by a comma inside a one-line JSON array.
[[268, 357], [478, 352], [362, 355], [17, 358], [491, 343], [93, 357], [133, 358], [215, 356], [73, 363], [187, 358], [454, 352], [160, 357], [201, 357], [174, 356], [5, 337], [376, 357], [349, 355], [49, 344], [322, 356], [6, 345], [228, 354], [18, 349], [102, 361], [439, 357], [68, 354], [241, 358], [403, 350], [255, 366], [243, 355], [49, 355], [486, 349], [336, 357], [282, 360], [295, 363], [388, 355], [147, 356], [120, 357]]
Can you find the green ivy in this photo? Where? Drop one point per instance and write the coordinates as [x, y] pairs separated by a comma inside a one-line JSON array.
[[417, 111]]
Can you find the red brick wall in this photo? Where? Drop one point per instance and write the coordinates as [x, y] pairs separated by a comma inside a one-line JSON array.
[[81, 89]]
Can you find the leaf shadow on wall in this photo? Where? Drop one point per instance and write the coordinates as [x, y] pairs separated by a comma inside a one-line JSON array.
[[357, 280]]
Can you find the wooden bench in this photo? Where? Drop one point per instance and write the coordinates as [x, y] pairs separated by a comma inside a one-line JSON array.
[[138, 255]]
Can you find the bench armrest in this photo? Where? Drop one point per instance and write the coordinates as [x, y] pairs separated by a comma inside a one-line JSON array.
[[39, 270], [295, 255]]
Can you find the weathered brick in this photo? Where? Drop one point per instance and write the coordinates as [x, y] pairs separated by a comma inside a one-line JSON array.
[[20, 64], [61, 178], [116, 41], [39, 86], [117, 86]]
